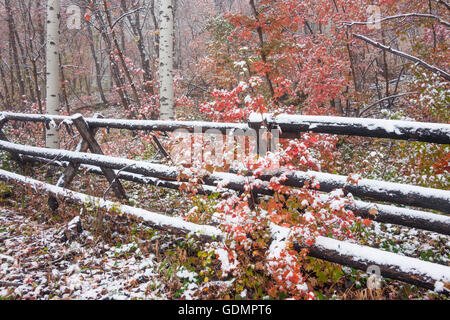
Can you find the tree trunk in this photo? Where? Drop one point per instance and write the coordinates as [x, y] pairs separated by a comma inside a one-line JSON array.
[[119, 52], [98, 71], [114, 69], [52, 62], [13, 45], [166, 61], [262, 48], [6, 97]]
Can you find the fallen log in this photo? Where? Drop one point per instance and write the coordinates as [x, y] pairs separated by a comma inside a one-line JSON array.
[[362, 127], [411, 270]]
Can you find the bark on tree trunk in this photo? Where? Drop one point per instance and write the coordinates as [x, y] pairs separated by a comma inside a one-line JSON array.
[[98, 71], [13, 45], [52, 62], [166, 60]]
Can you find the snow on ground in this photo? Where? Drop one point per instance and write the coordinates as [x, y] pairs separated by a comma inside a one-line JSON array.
[[425, 245], [38, 260], [37, 263]]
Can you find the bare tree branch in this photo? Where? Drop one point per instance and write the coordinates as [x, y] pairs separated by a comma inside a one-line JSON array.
[[125, 15], [399, 16], [384, 99], [420, 62], [444, 3]]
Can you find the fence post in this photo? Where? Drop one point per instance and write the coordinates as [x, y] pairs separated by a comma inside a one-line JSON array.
[[256, 126], [88, 137], [69, 173], [263, 146]]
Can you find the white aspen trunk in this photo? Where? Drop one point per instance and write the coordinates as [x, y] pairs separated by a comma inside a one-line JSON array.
[[52, 64], [166, 60]]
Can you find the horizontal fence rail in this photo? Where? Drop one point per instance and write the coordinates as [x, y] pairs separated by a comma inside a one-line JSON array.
[[166, 176], [384, 213], [362, 127], [156, 220], [372, 189], [394, 266], [415, 196], [134, 125], [290, 125]]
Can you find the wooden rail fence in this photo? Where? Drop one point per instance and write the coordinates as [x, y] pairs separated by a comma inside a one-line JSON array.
[[411, 270]]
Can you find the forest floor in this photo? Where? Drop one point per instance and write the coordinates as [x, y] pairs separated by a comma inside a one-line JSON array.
[[82, 254]]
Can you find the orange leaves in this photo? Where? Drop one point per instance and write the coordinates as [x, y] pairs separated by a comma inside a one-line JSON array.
[[354, 179], [442, 165], [373, 212], [261, 68], [367, 222]]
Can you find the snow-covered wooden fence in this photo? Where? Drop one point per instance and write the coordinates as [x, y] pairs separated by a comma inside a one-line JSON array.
[[291, 126], [394, 266]]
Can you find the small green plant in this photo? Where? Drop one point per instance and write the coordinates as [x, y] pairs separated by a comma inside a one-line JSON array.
[[5, 190]]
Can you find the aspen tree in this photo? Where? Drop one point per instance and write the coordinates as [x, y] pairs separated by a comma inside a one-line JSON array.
[[52, 65], [166, 37]]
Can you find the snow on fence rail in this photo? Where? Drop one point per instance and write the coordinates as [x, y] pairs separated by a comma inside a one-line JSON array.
[[362, 127], [166, 176], [376, 190], [290, 125], [134, 125], [411, 270], [156, 220], [407, 269], [384, 213]]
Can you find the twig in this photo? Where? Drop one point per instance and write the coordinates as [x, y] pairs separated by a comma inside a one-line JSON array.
[[124, 15], [384, 99]]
